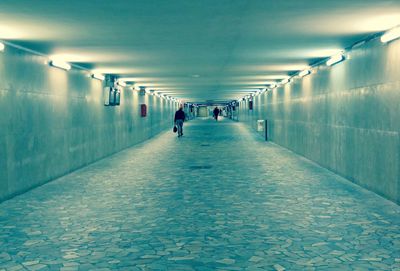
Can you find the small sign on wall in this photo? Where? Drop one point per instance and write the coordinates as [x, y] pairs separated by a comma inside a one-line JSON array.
[[107, 95], [112, 96], [260, 125], [143, 110], [117, 98]]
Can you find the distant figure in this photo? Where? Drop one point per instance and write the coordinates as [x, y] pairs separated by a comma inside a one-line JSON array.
[[179, 119], [216, 113]]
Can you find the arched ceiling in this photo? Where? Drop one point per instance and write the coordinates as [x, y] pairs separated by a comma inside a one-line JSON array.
[[194, 50]]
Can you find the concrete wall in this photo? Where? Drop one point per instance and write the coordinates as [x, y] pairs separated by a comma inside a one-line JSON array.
[[345, 117], [53, 121]]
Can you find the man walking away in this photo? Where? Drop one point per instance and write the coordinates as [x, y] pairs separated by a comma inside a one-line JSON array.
[[179, 119], [216, 112]]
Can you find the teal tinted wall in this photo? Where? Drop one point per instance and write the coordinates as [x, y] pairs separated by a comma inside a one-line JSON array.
[[53, 122], [345, 117]]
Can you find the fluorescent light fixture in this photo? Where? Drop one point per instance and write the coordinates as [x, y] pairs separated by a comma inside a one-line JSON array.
[[304, 72], [390, 35], [285, 81], [335, 59], [98, 76], [60, 64], [2, 47], [121, 83]]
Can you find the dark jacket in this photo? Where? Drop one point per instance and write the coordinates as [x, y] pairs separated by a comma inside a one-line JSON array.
[[216, 111], [179, 115]]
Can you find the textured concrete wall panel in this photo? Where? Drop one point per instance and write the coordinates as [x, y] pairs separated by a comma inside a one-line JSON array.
[[53, 122], [345, 117]]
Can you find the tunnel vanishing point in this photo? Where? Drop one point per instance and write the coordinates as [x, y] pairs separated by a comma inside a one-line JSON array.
[[288, 157]]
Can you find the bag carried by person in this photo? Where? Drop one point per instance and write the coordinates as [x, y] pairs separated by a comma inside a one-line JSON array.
[[175, 129]]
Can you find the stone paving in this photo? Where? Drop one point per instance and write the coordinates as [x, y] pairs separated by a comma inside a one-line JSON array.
[[219, 198]]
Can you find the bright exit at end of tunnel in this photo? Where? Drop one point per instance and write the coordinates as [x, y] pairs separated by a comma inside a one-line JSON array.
[[200, 135]]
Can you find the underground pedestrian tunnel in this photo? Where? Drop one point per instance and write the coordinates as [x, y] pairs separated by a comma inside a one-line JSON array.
[[300, 171]]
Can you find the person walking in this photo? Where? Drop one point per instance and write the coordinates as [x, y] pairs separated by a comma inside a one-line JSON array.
[[216, 113], [179, 119]]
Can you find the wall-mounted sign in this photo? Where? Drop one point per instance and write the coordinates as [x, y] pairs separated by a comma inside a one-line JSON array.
[[112, 96], [143, 110], [117, 97]]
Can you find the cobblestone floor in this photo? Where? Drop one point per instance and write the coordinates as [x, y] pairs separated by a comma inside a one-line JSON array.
[[217, 199]]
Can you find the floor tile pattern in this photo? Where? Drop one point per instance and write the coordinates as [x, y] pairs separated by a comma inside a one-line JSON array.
[[219, 198]]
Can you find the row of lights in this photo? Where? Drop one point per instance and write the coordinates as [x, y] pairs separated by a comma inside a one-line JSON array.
[[66, 66], [330, 62], [385, 38], [161, 95], [101, 77]]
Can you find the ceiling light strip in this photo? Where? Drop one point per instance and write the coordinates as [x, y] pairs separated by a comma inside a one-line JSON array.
[[391, 34], [304, 73], [335, 59], [60, 64], [98, 76], [121, 83], [22, 48]]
